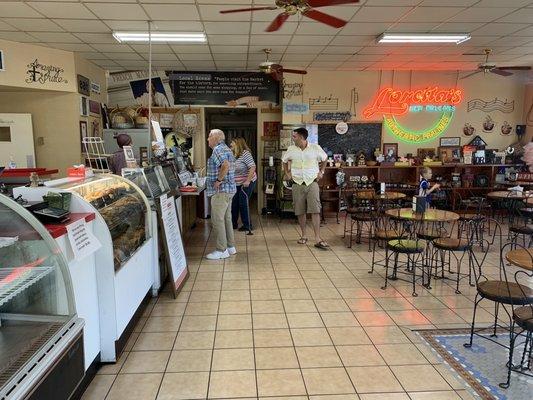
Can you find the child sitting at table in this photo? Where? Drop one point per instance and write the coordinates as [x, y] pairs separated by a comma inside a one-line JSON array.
[[424, 188]]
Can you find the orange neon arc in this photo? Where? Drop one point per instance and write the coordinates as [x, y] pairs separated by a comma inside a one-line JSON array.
[[397, 102]]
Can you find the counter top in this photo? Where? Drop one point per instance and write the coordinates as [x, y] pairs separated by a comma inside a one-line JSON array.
[[58, 230]]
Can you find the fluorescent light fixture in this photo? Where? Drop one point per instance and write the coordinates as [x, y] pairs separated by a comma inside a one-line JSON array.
[[423, 38], [182, 37]]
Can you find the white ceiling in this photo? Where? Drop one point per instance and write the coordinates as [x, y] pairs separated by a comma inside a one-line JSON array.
[[235, 40]]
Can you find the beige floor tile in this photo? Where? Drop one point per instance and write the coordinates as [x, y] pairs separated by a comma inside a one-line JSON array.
[[235, 285], [198, 323], [305, 320], [235, 307], [420, 378], [234, 322], [99, 387], [360, 356], [325, 293], [465, 395], [321, 356], [311, 337], [135, 387], [131, 341], [348, 335], [408, 317], [203, 308], [283, 382], [455, 382], [162, 309], [384, 396], [335, 397], [327, 381], [145, 362], [373, 318], [401, 354], [295, 294], [394, 303], [189, 361], [339, 319], [190, 385], [275, 358], [272, 338], [113, 368], [194, 340], [386, 334], [443, 316], [267, 307], [233, 339], [331, 305], [204, 295], [364, 305], [269, 321], [264, 284], [299, 306], [445, 395], [232, 359], [265, 294], [155, 341], [232, 384], [162, 324], [235, 295], [374, 380]]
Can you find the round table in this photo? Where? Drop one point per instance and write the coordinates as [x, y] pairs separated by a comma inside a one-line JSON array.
[[507, 195], [431, 215], [370, 195], [521, 258]]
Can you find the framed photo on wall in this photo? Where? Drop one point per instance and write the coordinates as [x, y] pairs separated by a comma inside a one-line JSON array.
[[84, 106], [450, 154], [428, 152], [83, 133], [390, 150], [450, 141], [94, 107]]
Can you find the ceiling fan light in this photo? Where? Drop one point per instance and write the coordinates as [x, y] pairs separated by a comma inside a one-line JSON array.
[[456, 38], [181, 37]]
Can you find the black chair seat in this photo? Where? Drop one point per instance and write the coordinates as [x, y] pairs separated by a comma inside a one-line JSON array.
[[507, 293], [466, 216], [428, 235], [523, 316], [388, 234], [522, 229], [452, 244], [364, 216], [405, 246]]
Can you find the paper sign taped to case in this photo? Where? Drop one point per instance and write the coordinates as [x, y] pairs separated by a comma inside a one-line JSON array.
[[82, 240]]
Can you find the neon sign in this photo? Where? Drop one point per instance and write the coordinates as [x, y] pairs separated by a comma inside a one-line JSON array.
[[393, 103]]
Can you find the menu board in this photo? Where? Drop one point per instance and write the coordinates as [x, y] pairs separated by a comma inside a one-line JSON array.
[[224, 88], [176, 260]]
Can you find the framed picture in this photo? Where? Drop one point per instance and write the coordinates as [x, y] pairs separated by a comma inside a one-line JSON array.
[[450, 154], [285, 139], [84, 85], [84, 106], [94, 107], [428, 152], [83, 133], [450, 141], [390, 150]]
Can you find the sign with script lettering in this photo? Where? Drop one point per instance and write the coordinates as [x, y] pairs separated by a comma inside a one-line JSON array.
[[223, 88], [42, 73]]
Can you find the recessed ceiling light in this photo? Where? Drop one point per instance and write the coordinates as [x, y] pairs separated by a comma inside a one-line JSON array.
[[183, 37], [423, 38]]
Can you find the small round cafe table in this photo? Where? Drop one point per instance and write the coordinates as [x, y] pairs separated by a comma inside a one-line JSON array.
[[521, 258], [431, 215], [370, 195]]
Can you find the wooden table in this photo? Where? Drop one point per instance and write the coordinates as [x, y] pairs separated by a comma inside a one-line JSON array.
[[507, 195], [370, 195], [431, 215], [522, 258]]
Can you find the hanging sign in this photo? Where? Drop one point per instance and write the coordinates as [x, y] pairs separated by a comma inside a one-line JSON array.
[[332, 116], [391, 103], [295, 108]]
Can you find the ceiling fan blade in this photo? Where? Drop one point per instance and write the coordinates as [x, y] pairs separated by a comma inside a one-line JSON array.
[[516, 68], [247, 9], [469, 75], [294, 71], [473, 54], [500, 72], [277, 23], [325, 3], [325, 18]]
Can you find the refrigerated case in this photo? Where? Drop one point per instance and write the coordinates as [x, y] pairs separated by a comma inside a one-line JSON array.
[[41, 339]]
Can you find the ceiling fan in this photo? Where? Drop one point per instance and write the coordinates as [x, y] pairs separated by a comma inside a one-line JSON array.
[[487, 66], [276, 70], [304, 7]]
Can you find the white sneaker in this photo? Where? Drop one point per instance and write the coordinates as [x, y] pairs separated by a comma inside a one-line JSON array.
[[232, 251], [217, 255]]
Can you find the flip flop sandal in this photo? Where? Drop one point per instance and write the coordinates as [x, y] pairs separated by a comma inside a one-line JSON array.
[[322, 245], [302, 241]]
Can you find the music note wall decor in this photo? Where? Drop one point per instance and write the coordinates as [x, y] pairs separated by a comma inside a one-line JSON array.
[[324, 103], [489, 106]]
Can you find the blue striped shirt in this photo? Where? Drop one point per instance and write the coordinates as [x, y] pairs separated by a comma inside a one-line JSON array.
[[221, 153]]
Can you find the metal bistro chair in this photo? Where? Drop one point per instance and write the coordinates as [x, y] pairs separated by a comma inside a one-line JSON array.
[[502, 292], [363, 216], [523, 320], [471, 212], [520, 226], [385, 231], [325, 199]]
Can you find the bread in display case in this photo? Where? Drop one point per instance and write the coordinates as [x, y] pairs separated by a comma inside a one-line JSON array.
[[37, 308], [123, 207]]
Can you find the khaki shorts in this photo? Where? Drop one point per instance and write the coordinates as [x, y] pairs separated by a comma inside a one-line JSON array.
[[306, 199]]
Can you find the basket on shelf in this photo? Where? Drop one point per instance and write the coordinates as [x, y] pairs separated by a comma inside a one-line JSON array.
[[141, 118], [58, 200], [121, 118]]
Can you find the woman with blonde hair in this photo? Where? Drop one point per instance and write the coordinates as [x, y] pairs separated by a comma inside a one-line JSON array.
[[245, 178]]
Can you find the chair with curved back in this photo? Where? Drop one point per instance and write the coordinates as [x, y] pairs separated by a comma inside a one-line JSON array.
[[520, 226], [363, 216]]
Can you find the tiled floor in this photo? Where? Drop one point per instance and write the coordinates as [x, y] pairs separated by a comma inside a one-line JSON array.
[[281, 319]]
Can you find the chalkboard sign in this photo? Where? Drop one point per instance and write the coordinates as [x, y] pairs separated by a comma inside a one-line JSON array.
[[224, 88], [365, 137]]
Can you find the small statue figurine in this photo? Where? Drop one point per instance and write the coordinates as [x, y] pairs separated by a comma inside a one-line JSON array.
[[331, 162], [340, 178], [361, 160]]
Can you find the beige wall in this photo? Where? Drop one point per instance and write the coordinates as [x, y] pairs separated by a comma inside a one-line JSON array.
[[528, 113], [486, 87], [17, 56]]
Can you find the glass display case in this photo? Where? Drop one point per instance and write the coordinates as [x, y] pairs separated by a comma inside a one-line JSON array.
[[123, 207], [151, 180], [36, 299]]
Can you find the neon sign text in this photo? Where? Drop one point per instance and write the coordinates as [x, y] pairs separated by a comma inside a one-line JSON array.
[[397, 102], [432, 108]]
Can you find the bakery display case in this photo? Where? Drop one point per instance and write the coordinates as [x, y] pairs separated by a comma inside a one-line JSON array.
[[123, 208], [151, 180], [40, 333]]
